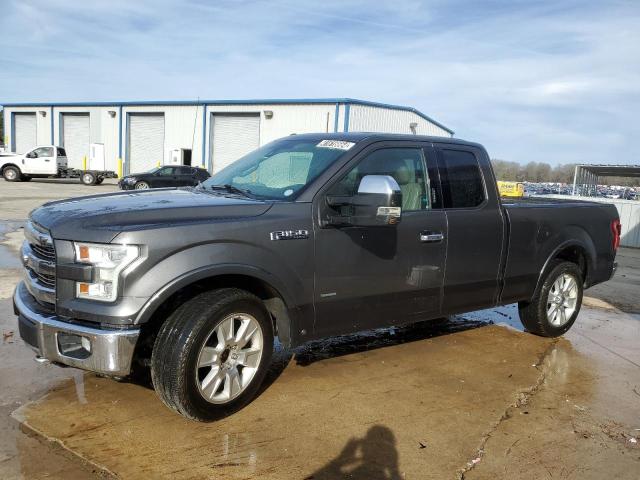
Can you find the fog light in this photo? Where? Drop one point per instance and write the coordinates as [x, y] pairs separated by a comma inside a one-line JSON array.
[[74, 346]]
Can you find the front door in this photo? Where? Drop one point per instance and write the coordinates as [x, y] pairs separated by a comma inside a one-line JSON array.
[[375, 276], [41, 161], [165, 177]]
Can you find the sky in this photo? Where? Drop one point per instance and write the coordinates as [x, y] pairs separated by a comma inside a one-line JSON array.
[[555, 81]]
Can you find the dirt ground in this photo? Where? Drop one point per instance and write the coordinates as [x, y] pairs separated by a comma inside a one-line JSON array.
[[469, 397]]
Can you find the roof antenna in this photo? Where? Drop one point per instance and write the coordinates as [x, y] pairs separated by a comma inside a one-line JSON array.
[[413, 126]]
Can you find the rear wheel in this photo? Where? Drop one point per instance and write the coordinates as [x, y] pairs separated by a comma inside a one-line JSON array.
[[555, 307], [141, 185], [212, 353], [99, 180], [88, 178], [12, 174]]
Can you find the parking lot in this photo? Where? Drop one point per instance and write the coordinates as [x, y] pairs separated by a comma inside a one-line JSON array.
[[472, 396]]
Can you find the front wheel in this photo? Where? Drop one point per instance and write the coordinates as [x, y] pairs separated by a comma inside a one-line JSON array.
[[12, 174], [211, 355], [141, 185], [555, 307]]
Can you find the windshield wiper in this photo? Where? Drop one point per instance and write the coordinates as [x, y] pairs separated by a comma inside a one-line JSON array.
[[232, 189]]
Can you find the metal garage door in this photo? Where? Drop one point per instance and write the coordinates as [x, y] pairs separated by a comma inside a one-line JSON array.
[[146, 141], [76, 137], [24, 133], [233, 136]]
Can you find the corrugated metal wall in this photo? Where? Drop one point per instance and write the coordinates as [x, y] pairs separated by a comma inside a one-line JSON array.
[[364, 118], [184, 128]]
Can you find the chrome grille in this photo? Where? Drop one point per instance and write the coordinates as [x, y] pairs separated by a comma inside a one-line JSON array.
[[39, 259], [46, 252]]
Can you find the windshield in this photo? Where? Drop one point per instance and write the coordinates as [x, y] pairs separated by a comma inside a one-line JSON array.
[[280, 169]]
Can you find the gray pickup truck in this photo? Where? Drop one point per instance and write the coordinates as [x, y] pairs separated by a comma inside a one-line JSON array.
[[307, 237]]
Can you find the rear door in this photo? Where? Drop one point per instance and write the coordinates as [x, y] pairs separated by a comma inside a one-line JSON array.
[[475, 224], [374, 276]]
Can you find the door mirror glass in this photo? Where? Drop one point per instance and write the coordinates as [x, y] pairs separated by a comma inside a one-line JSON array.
[[378, 202]]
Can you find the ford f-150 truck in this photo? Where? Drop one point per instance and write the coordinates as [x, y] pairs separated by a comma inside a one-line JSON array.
[[309, 236]]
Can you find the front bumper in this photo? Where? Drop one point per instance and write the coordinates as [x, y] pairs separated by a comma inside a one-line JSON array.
[[109, 352]]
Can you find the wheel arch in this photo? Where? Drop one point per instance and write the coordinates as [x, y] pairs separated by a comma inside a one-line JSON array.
[[10, 165], [186, 286], [576, 251]]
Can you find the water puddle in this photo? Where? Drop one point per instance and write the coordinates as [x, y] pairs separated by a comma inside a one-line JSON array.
[[8, 257]]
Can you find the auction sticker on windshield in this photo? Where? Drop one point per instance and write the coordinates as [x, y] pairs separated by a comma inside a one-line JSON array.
[[338, 144]]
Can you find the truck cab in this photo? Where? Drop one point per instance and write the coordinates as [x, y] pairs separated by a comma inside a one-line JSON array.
[[41, 161]]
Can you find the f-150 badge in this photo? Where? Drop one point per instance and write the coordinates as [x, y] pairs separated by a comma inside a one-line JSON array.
[[290, 235]]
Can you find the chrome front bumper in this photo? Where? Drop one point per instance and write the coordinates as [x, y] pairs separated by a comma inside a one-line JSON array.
[[108, 352]]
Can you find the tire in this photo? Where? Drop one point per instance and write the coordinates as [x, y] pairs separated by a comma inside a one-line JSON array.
[[543, 314], [189, 337], [12, 174], [99, 180], [88, 178], [141, 185]]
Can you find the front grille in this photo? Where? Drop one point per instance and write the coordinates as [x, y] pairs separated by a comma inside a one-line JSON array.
[[45, 252], [48, 281], [40, 259]]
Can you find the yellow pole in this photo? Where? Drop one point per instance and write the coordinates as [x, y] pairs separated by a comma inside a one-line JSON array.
[[119, 168], [158, 164], [84, 163]]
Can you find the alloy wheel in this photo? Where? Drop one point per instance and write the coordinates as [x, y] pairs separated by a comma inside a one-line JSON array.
[[562, 300], [229, 358]]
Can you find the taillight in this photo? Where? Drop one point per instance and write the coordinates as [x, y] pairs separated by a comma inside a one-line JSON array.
[[616, 229]]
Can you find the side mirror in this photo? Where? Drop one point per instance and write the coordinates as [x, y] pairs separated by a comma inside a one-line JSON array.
[[31, 155], [377, 203]]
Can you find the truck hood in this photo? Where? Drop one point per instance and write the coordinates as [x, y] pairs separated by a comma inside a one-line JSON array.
[[99, 218]]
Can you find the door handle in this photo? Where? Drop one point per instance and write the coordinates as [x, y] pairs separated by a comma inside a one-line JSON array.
[[431, 237], [47, 160]]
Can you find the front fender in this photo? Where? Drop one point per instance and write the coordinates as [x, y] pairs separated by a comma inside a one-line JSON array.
[[209, 271]]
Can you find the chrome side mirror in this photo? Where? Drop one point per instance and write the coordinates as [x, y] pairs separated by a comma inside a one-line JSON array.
[[377, 203], [386, 195]]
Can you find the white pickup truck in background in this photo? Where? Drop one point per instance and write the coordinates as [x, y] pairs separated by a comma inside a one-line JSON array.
[[47, 161]]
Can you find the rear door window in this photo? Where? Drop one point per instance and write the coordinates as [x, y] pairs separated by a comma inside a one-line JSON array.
[[461, 179]]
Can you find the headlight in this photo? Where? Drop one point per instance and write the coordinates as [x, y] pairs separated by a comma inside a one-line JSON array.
[[130, 180], [108, 261]]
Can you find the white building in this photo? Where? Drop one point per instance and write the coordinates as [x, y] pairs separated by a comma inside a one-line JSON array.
[[207, 133]]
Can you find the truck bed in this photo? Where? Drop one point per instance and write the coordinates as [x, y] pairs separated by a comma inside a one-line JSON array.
[[538, 226]]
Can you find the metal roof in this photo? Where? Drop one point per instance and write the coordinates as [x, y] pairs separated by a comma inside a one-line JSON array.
[[280, 101], [612, 170]]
